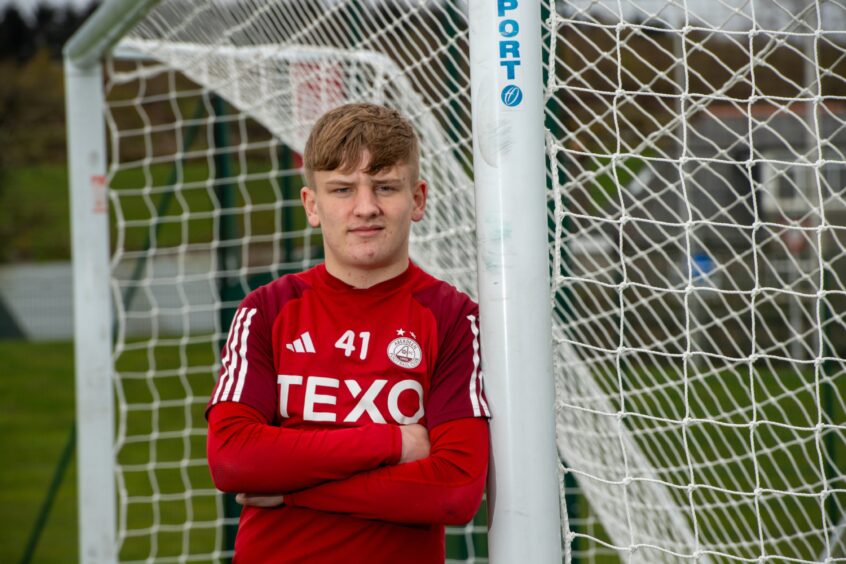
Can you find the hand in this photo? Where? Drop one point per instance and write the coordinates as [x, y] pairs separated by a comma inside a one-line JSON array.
[[415, 443], [259, 500]]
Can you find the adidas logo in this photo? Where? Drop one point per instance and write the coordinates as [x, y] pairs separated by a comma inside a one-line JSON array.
[[301, 345]]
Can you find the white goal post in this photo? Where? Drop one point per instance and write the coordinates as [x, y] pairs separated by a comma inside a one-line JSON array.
[[648, 198]]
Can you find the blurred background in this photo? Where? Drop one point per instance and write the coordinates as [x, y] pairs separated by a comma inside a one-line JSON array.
[[36, 373], [687, 206]]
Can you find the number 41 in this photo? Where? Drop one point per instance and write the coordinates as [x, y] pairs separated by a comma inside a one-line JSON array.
[[347, 343]]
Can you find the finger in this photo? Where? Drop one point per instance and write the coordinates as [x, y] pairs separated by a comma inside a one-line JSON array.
[[259, 500]]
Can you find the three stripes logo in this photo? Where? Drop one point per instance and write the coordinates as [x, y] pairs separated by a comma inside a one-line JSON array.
[[302, 344], [235, 358]]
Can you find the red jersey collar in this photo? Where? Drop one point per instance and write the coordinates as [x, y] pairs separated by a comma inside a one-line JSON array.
[[325, 278]]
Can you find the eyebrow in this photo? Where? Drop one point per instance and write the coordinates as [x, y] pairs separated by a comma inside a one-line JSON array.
[[347, 181]]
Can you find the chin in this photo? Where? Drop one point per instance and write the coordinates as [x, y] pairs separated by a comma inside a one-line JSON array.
[[368, 262], [371, 261], [368, 257]]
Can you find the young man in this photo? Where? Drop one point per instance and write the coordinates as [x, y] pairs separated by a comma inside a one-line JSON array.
[[349, 415]]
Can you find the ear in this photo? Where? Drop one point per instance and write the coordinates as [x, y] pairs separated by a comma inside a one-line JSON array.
[[307, 197], [419, 194]]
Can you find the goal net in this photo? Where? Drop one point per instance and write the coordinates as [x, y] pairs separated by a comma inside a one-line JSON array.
[[209, 105], [697, 204], [697, 221]]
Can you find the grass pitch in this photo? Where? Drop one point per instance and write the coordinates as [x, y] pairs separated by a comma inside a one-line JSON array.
[[36, 414]]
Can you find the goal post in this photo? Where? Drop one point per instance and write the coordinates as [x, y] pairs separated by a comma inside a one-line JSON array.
[[513, 278], [93, 316], [653, 195]]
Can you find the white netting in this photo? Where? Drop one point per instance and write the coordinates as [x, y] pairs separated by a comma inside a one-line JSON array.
[[697, 222], [697, 153], [209, 107]]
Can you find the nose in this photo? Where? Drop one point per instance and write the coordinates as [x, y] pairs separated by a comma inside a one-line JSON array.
[[365, 202]]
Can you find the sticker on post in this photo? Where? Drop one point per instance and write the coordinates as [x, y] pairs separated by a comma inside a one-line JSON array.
[[98, 194], [509, 52]]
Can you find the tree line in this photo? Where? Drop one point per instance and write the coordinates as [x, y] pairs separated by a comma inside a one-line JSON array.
[[32, 128], [48, 28]]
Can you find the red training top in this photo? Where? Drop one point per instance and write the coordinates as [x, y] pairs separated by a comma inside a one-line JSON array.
[[316, 376]]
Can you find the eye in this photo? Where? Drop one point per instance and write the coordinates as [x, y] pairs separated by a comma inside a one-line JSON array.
[[386, 189]]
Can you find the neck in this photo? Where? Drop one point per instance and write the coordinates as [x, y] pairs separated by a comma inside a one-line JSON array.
[[362, 278]]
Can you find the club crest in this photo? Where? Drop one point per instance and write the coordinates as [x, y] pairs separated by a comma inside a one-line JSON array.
[[405, 352]]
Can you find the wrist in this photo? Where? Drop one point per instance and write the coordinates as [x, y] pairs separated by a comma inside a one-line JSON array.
[[396, 444]]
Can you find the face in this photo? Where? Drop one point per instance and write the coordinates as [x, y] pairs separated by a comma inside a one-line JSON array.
[[365, 219]]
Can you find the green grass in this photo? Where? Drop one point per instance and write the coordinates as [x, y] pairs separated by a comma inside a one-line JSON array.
[[167, 400], [35, 220], [185, 215], [786, 459], [604, 187], [36, 414]]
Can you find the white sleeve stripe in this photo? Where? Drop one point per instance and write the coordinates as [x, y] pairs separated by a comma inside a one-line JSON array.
[[232, 360], [233, 330], [481, 375], [242, 374], [482, 393], [474, 400]]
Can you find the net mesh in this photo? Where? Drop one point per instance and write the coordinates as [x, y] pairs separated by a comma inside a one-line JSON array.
[[697, 219], [209, 107], [697, 157]]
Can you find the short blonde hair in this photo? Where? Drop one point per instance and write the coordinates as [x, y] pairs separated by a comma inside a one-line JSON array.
[[341, 136]]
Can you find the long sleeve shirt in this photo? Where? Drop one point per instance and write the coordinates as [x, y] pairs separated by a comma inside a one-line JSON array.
[[316, 376]]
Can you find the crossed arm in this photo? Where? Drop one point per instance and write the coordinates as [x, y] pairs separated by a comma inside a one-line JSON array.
[[375, 471]]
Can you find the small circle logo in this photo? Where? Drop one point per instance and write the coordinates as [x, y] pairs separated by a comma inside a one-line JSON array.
[[405, 352], [511, 95]]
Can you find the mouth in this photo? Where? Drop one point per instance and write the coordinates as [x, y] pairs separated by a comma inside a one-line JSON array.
[[367, 230]]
